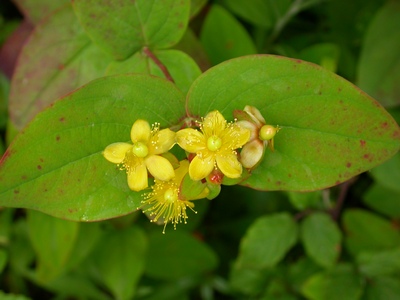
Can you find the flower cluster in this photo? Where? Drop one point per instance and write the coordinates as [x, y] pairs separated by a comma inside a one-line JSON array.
[[212, 155]]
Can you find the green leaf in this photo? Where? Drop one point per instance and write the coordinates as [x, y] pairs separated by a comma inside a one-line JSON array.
[[3, 259], [267, 241], [177, 254], [120, 260], [382, 263], [249, 281], [323, 54], [21, 254], [383, 288], [36, 10], [277, 290], [223, 37], [300, 271], [57, 59], [261, 12], [181, 66], [383, 200], [366, 231], [6, 223], [191, 45], [88, 236], [340, 283], [321, 238], [388, 173], [76, 286], [53, 240], [302, 201], [123, 27], [179, 289], [196, 6], [4, 296], [56, 165], [379, 64], [4, 91], [321, 143]]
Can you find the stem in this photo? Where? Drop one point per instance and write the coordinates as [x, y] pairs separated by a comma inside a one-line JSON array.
[[344, 188], [154, 58], [294, 9], [302, 214]]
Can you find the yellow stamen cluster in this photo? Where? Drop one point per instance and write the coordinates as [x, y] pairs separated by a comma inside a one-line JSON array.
[[214, 145], [164, 203], [213, 150]]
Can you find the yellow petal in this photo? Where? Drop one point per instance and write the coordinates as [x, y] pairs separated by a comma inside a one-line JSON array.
[[160, 167], [214, 123], [162, 141], [200, 168], [181, 171], [234, 137], [190, 140], [137, 177], [140, 131], [255, 115], [115, 153], [229, 165], [252, 153]]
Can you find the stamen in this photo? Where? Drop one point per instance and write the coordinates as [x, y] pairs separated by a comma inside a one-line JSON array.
[[163, 202]]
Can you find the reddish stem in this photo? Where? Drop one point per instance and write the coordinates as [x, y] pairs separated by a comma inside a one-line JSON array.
[[344, 188], [154, 58]]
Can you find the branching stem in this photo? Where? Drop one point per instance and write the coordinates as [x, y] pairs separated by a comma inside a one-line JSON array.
[[159, 64]]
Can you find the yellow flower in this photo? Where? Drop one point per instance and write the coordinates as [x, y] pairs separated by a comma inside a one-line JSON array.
[[261, 136], [143, 155], [164, 200], [214, 146]]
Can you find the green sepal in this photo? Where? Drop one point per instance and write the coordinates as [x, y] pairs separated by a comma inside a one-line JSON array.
[[214, 190], [190, 189], [232, 181]]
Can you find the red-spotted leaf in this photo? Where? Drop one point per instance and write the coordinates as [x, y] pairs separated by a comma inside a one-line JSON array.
[[182, 68], [36, 10], [123, 27], [57, 59], [56, 165], [330, 130]]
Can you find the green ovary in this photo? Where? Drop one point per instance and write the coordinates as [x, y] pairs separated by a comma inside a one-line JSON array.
[[267, 132], [170, 195], [214, 143], [140, 149]]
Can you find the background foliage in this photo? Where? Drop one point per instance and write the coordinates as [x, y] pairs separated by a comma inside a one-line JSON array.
[[337, 239]]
